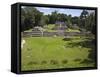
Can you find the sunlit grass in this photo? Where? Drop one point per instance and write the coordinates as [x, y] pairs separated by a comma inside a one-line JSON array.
[[72, 30], [50, 50]]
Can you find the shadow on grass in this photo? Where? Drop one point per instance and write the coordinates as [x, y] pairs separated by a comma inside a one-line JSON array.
[[88, 43], [32, 62], [67, 39], [86, 61], [44, 62], [85, 43], [53, 62], [65, 61], [92, 55], [77, 60]]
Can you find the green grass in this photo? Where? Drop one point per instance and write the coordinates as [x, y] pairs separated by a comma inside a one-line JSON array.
[[50, 26], [72, 30], [52, 53], [29, 30]]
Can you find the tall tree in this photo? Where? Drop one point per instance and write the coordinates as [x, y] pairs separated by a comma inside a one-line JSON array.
[[30, 17], [44, 20], [83, 17], [91, 23], [53, 17], [69, 21]]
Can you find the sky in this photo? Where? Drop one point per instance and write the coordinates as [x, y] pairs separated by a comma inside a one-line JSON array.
[[73, 12]]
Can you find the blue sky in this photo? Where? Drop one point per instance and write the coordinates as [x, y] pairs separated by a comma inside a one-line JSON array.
[[73, 12]]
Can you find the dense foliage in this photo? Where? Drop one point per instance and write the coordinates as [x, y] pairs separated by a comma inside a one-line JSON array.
[[31, 17]]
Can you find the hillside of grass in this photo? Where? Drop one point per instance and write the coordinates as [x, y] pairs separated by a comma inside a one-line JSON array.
[[53, 52]]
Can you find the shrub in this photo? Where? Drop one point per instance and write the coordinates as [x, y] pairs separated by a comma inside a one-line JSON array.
[[86, 61], [43, 62], [67, 39], [64, 61], [54, 62], [76, 60], [92, 55], [29, 49], [32, 62]]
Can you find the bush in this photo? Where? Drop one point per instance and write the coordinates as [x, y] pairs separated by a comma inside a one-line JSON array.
[[54, 62], [43, 62], [86, 61], [67, 39], [29, 49], [75, 27], [64, 61], [76, 60], [92, 55], [32, 62]]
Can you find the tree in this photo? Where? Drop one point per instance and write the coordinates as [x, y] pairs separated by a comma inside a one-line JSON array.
[[83, 17], [91, 23], [44, 20], [38, 16], [87, 21], [69, 21], [30, 17], [75, 20], [61, 17], [53, 17]]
